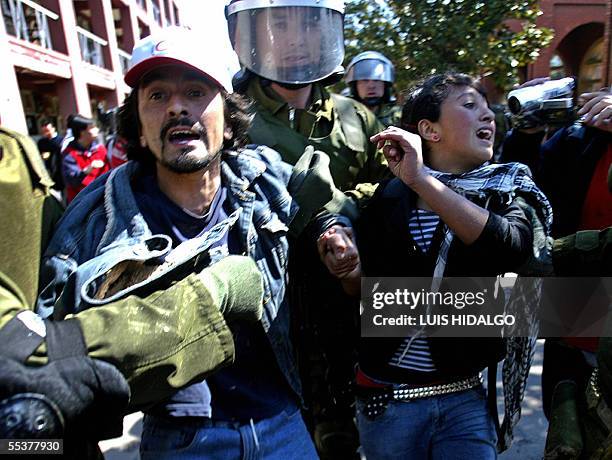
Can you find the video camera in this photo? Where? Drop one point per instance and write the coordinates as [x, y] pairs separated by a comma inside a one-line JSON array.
[[549, 103]]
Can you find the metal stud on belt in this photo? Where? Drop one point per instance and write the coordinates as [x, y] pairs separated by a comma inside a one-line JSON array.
[[377, 404]]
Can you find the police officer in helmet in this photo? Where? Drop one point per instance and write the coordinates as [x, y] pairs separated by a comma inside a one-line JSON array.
[[290, 50], [370, 76]]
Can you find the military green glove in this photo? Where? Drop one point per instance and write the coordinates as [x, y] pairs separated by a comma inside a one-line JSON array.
[[587, 252], [311, 186], [237, 281], [177, 335]]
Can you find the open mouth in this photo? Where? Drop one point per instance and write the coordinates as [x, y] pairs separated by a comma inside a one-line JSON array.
[[182, 136], [485, 134]]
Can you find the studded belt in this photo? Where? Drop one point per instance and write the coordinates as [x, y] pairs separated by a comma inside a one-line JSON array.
[[376, 399]]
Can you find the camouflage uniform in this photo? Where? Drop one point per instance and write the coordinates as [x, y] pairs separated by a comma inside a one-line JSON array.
[[581, 424]]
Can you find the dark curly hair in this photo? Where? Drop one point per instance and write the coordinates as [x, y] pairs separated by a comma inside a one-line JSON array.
[[425, 99], [238, 114]]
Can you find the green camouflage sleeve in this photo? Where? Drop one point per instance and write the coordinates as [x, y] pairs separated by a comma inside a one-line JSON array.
[[160, 343], [585, 253]]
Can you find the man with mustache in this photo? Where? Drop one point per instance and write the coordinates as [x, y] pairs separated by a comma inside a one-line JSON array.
[[66, 379], [192, 195]]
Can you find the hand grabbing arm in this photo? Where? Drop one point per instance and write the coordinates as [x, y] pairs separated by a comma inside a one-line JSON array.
[[338, 252]]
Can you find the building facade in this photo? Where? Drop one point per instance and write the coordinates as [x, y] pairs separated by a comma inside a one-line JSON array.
[[581, 45], [61, 57]]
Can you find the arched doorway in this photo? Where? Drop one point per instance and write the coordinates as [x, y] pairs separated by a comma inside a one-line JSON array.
[[591, 71], [581, 52]]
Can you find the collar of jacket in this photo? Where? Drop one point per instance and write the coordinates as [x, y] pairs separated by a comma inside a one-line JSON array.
[[321, 106]]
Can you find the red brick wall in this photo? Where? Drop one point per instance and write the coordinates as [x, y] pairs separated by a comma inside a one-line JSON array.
[[581, 22]]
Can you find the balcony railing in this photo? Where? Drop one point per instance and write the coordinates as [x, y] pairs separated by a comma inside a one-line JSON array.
[[91, 47], [156, 13], [28, 21], [124, 60]]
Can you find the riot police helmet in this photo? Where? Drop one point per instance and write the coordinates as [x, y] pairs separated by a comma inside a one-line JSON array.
[[371, 66], [288, 41]]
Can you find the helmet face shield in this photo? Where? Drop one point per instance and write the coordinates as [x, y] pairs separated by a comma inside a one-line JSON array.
[[289, 44], [371, 69], [370, 65]]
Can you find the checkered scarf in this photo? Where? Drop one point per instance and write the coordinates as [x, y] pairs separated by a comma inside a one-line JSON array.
[[482, 183]]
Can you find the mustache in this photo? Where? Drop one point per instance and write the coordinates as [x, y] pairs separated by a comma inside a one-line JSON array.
[[186, 122]]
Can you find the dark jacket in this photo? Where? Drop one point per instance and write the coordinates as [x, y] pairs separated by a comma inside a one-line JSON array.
[[563, 167], [51, 150], [387, 249]]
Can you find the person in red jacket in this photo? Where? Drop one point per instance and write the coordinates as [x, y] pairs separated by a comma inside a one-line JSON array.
[[84, 159]]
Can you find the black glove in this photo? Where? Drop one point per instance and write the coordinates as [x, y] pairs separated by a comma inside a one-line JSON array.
[[87, 396], [91, 395]]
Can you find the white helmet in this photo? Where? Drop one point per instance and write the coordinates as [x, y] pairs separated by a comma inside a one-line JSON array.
[[370, 65], [288, 41]]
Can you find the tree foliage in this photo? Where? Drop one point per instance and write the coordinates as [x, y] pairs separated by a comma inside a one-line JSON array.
[[423, 37]]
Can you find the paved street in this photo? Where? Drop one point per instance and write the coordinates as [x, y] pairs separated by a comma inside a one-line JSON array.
[[530, 434]]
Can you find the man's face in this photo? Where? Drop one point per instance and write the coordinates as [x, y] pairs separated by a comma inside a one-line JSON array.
[[292, 34], [181, 118], [370, 88], [48, 131]]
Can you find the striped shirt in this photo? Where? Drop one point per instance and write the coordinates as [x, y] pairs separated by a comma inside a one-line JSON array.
[[422, 225], [417, 358]]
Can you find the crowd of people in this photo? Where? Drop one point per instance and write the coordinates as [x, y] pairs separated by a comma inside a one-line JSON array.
[[79, 157], [209, 271]]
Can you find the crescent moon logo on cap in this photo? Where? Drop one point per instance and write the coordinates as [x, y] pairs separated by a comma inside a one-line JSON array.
[[162, 46]]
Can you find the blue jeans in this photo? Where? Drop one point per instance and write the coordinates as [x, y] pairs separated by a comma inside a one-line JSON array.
[[280, 437], [454, 426]]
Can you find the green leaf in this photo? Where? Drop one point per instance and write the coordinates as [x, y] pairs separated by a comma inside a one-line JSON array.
[[465, 35]]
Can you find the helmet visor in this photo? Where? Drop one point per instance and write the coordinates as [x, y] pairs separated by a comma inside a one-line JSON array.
[[370, 69], [290, 44]]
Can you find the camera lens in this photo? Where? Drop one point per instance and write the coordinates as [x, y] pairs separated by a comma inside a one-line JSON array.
[[514, 105]]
